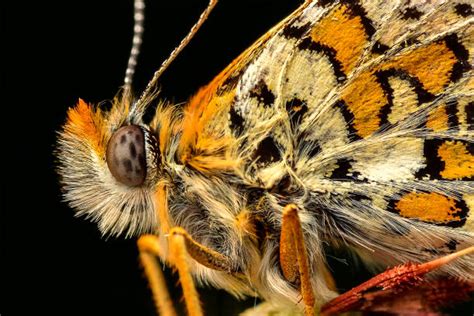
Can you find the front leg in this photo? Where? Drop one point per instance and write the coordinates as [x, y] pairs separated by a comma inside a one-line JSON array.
[[180, 245], [148, 247], [202, 254]]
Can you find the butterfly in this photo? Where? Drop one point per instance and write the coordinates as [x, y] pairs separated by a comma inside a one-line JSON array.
[[347, 126]]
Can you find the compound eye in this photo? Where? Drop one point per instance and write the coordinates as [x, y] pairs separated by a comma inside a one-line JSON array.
[[126, 155]]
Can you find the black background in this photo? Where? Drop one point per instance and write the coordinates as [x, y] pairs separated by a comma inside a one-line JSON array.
[[52, 54]]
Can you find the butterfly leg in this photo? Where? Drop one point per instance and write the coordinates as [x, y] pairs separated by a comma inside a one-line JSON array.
[[180, 245], [149, 249], [293, 256]]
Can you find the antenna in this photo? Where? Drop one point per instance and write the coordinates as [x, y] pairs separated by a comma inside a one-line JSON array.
[[138, 17], [204, 15]]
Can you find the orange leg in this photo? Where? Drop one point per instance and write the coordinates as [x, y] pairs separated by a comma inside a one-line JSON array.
[[149, 249], [205, 256], [180, 261], [180, 245], [293, 256]]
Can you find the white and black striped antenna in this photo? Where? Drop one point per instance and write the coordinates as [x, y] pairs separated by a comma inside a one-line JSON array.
[[138, 27], [138, 30]]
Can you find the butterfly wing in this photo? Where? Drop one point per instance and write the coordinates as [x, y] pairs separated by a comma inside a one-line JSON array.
[[362, 114]]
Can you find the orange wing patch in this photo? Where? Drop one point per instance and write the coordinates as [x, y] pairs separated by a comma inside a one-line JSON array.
[[448, 160], [432, 65], [365, 97], [428, 68], [438, 119], [344, 35], [459, 162], [344, 32], [432, 208]]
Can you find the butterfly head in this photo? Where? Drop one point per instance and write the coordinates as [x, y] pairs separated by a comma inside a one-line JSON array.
[[110, 165]]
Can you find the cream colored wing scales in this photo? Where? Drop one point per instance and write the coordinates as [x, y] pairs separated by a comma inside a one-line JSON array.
[[367, 114]]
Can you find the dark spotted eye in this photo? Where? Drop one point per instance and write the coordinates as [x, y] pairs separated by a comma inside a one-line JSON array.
[[126, 155]]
